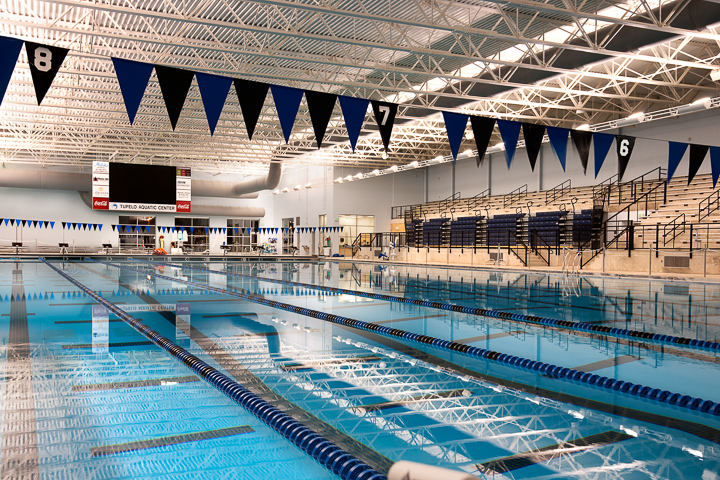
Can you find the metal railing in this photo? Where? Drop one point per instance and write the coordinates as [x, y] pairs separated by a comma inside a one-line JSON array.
[[557, 191], [538, 244], [515, 195], [520, 247], [672, 229], [612, 190], [474, 202], [708, 205]]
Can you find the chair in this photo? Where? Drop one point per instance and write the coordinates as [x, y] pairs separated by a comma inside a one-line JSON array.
[[63, 247]]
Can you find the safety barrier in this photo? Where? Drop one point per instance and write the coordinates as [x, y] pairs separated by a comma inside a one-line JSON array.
[[327, 454], [547, 369], [515, 317]]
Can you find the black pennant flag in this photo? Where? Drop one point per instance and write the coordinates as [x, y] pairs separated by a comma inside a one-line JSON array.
[[320, 106], [533, 141], [174, 85], [385, 117], [625, 147], [582, 140], [251, 96], [34, 223], [482, 128], [45, 61], [697, 156]]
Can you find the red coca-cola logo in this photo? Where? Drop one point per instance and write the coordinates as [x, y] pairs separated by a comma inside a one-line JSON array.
[[182, 206], [101, 204]]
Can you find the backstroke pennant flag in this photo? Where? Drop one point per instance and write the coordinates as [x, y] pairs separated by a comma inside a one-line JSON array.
[[45, 61], [625, 147], [601, 146], [482, 128], [558, 139], [455, 124], [320, 106], [213, 91], [533, 134], [509, 131], [385, 118], [697, 156], [715, 163], [676, 151], [582, 140], [133, 78], [354, 110], [287, 103], [9, 52], [251, 96], [174, 85]]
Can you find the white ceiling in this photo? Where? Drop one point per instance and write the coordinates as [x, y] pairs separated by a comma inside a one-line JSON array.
[[441, 55]]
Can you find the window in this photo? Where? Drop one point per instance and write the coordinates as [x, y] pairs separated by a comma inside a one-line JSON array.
[[354, 225], [241, 240], [287, 235], [136, 231], [197, 237]]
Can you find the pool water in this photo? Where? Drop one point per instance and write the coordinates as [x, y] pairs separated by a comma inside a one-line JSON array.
[[86, 396]]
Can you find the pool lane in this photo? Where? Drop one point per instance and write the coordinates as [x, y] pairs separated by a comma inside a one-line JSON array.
[[661, 367]]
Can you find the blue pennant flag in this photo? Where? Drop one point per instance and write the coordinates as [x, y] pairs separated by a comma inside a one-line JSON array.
[[100, 225], [236, 230], [224, 230], [172, 229], [715, 163], [6, 221], [455, 124], [601, 146], [9, 52], [52, 225], [287, 102], [354, 110], [559, 139], [510, 132], [213, 91], [676, 152], [133, 78]]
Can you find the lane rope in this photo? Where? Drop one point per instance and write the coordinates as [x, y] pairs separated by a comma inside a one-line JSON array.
[[515, 317], [547, 369], [329, 455]]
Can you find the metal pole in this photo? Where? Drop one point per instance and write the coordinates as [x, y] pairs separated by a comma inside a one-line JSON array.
[[705, 261], [604, 253], [650, 262]]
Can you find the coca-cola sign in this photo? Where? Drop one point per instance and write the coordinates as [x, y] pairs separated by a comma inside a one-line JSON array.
[[101, 204], [182, 207]]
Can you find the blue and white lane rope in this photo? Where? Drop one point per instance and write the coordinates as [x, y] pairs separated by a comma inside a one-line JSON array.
[[547, 369], [326, 453], [516, 317]]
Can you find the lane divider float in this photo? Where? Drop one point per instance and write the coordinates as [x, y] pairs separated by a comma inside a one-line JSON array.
[[332, 457]]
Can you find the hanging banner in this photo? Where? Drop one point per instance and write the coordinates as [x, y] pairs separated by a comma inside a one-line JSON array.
[[9, 53], [287, 102], [385, 118], [133, 78], [251, 96], [558, 139], [715, 164], [44, 61], [320, 107], [174, 85], [581, 139], [354, 110], [213, 91], [625, 147], [509, 132], [697, 156], [455, 124], [482, 128], [676, 152], [601, 146], [533, 134]]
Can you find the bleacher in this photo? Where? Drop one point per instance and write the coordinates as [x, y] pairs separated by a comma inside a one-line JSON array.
[[581, 227], [502, 229], [464, 231], [432, 232], [547, 226]]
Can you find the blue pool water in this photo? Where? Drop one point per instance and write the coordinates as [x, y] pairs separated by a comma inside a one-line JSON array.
[[86, 396]]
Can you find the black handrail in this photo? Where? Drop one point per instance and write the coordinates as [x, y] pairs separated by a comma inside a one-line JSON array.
[[518, 241], [558, 191], [712, 205], [516, 194], [535, 239], [629, 230], [473, 202], [673, 228]]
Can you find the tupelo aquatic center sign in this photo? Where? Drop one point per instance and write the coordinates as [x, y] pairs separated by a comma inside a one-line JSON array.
[[142, 207]]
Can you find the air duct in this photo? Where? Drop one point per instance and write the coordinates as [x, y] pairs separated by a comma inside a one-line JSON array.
[[201, 209], [82, 182]]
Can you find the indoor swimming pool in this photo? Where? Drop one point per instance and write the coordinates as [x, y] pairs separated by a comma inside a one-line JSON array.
[[500, 374]]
